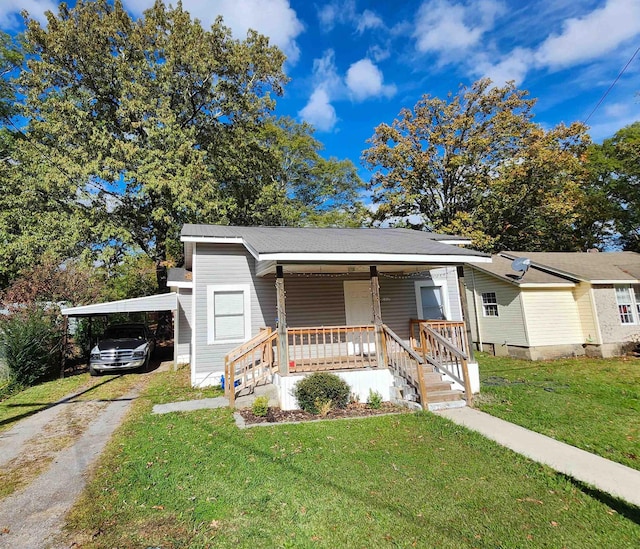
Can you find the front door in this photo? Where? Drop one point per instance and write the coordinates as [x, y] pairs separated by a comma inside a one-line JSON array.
[[358, 304]]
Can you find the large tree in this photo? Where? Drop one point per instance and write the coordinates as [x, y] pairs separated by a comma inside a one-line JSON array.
[[615, 172], [476, 164], [148, 123]]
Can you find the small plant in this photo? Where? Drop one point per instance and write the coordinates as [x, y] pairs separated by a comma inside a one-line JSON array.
[[260, 406], [323, 407], [375, 400], [321, 387], [354, 398]]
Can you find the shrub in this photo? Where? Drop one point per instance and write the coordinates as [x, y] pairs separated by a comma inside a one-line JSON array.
[[375, 400], [260, 406], [31, 345], [321, 387]]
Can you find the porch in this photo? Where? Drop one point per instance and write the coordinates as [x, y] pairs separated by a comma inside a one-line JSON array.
[[422, 372]]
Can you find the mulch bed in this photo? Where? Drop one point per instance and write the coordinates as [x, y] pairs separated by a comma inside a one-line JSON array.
[[276, 415]]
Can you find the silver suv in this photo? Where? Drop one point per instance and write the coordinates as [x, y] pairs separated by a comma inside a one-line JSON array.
[[122, 347]]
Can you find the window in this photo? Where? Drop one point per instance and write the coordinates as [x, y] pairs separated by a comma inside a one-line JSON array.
[[431, 300], [228, 314], [626, 304], [489, 304]]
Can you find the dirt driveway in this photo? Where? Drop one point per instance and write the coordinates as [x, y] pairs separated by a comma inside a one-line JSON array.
[[45, 460]]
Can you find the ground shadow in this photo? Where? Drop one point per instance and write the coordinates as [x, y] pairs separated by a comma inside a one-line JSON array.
[[40, 406], [627, 510]]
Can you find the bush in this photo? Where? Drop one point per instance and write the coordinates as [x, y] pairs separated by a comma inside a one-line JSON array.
[[31, 345], [321, 387], [260, 406], [375, 400]]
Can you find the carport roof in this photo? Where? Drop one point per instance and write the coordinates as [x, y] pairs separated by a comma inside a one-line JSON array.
[[152, 303]]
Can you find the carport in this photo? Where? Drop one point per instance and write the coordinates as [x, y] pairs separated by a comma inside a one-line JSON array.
[[149, 304]]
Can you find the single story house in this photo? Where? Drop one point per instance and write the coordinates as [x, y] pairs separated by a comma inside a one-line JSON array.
[[306, 299], [565, 304]]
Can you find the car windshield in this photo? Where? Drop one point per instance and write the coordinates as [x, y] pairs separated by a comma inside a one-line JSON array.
[[124, 332]]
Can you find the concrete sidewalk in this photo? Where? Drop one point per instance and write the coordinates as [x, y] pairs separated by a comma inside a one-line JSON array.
[[605, 475]]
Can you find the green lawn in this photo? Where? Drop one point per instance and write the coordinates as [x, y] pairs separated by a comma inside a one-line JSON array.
[[593, 404], [412, 480]]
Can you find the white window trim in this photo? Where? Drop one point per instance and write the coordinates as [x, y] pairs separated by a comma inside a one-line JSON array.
[[212, 289], [484, 305], [633, 303], [444, 295]]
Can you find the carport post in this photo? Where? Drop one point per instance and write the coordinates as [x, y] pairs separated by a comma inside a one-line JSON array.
[[65, 327]]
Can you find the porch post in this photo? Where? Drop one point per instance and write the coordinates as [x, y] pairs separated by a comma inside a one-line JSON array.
[[377, 315], [283, 339], [465, 310], [65, 343]]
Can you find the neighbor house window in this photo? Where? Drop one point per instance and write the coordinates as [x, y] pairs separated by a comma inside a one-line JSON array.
[[228, 314], [489, 304], [626, 304]]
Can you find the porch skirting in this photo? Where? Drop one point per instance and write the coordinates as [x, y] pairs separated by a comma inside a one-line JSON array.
[[360, 381]]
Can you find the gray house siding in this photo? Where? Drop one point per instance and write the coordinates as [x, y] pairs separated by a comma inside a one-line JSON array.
[[183, 343], [219, 265], [310, 301]]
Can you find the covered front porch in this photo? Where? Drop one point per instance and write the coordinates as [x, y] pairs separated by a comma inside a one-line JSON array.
[[426, 361]]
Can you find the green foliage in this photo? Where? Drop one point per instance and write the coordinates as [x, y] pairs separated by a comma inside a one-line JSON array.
[[374, 400], [31, 345], [260, 406], [615, 178], [318, 388], [475, 164]]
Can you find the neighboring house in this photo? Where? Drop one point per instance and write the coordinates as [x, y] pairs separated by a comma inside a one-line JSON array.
[[300, 282], [566, 304]]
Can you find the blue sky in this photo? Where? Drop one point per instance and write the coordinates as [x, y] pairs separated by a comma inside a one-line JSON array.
[[356, 63]]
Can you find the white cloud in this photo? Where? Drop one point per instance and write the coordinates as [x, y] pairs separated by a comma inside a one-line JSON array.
[[450, 29], [273, 18], [369, 20], [591, 36], [514, 66], [319, 111], [364, 80], [378, 53], [10, 17], [343, 12], [327, 85]]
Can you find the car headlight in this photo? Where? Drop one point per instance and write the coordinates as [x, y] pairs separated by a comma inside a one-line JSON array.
[[95, 356], [139, 354]]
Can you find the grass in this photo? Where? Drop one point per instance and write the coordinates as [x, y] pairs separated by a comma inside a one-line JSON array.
[[413, 480], [593, 404], [73, 419], [38, 397]]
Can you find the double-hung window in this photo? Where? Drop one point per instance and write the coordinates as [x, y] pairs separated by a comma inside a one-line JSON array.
[[228, 313], [489, 304], [628, 307]]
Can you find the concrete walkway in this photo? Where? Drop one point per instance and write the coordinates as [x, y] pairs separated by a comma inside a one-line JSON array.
[[605, 475]]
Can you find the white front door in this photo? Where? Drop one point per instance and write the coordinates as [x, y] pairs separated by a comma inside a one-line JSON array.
[[358, 304]]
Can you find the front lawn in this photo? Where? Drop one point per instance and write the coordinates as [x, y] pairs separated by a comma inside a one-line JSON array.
[[593, 404], [412, 480]]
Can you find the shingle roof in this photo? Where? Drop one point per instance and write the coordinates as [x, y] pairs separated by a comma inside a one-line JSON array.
[[601, 266], [501, 268], [270, 240]]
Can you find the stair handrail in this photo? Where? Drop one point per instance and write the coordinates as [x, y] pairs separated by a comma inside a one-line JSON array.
[[422, 386], [430, 341], [263, 340]]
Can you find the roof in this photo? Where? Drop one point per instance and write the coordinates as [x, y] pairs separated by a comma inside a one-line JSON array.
[[594, 267], [565, 268], [159, 302], [294, 243], [500, 267], [179, 278]]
